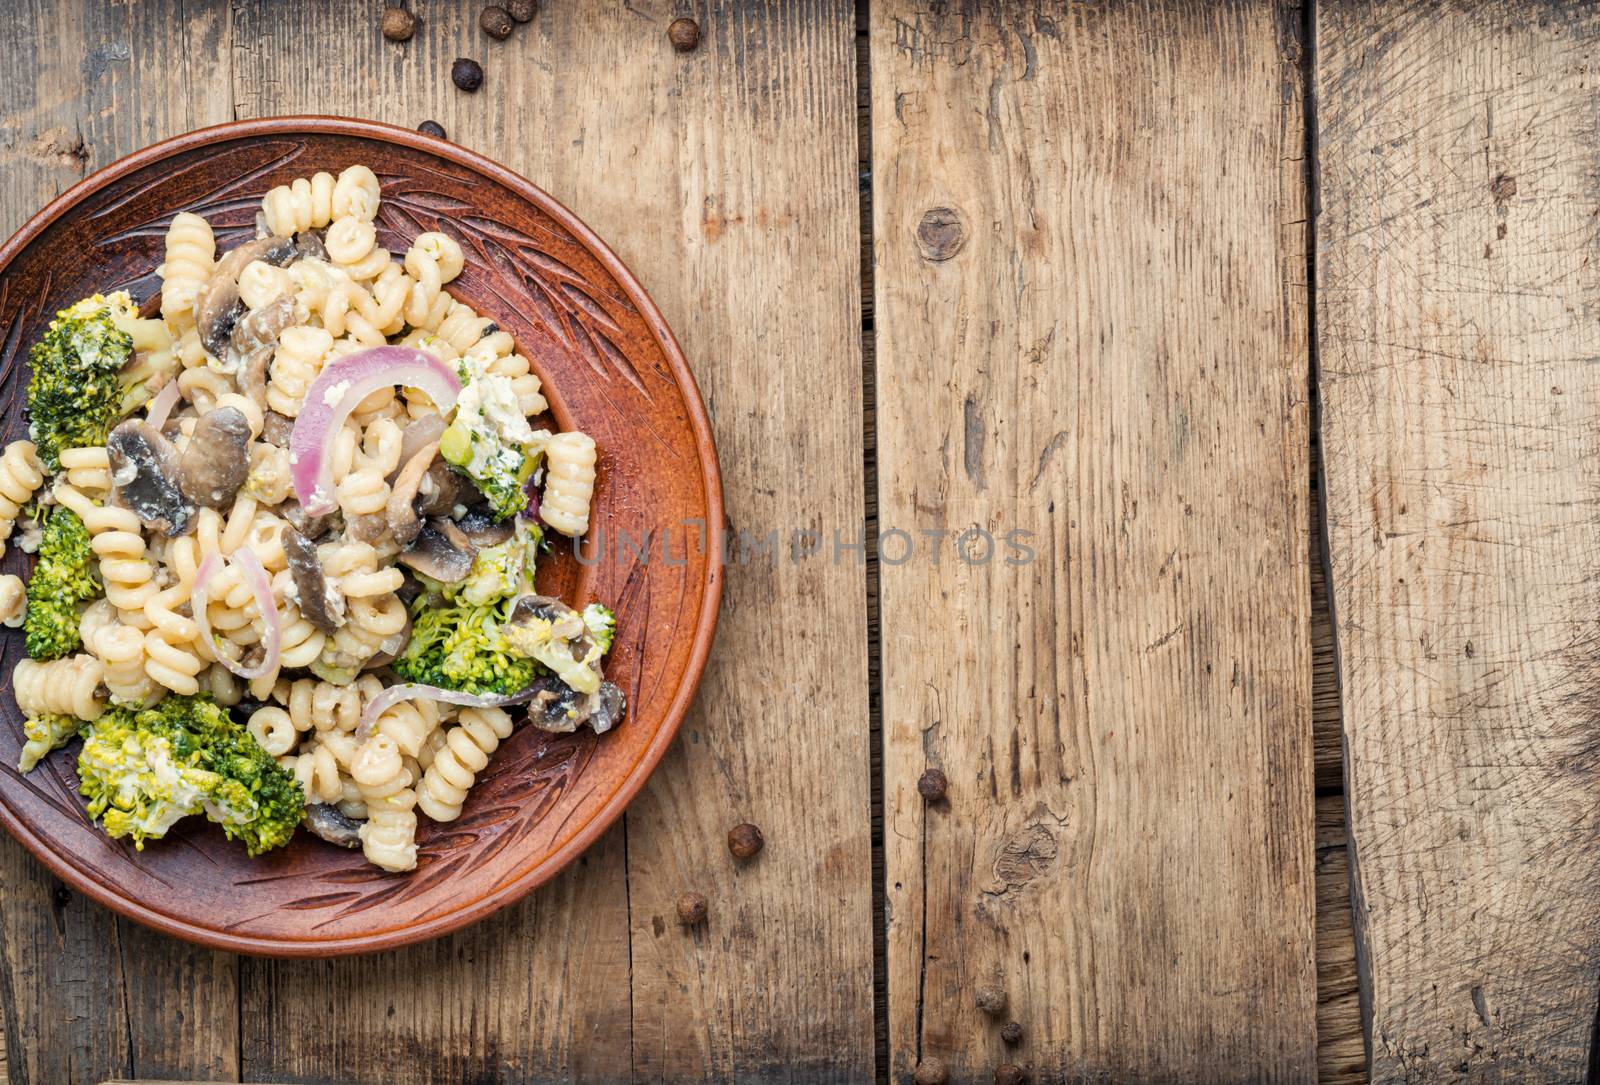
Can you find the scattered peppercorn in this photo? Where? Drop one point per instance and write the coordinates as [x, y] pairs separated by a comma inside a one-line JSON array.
[[1011, 1033], [1009, 1073], [991, 1000], [931, 785], [692, 909], [745, 841], [684, 35], [495, 22], [466, 74], [432, 128], [522, 10], [931, 1071], [398, 24]]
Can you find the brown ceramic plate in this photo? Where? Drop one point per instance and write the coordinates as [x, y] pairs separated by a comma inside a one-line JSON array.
[[610, 367]]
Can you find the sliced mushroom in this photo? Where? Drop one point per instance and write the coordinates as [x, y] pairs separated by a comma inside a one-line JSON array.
[[443, 488], [308, 243], [483, 529], [254, 339], [558, 707], [320, 607], [312, 527], [329, 823], [217, 308], [144, 470], [217, 460], [275, 429], [436, 554], [402, 517], [612, 707]]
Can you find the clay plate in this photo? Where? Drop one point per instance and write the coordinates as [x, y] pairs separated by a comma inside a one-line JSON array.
[[609, 366]]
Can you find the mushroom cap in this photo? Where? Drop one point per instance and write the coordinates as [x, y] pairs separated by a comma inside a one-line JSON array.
[[441, 552], [217, 460], [330, 823], [309, 580], [144, 471]]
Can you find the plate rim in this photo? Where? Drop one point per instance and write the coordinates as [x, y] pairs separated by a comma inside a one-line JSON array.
[[705, 623]]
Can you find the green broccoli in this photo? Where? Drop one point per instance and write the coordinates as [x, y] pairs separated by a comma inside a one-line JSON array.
[[82, 384], [62, 579], [144, 770], [457, 645], [490, 441], [45, 733], [500, 571], [602, 625]]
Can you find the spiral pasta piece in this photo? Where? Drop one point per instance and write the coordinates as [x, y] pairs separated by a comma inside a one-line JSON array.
[[468, 747], [316, 770], [301, 205], [432, 260], [389, 837], [13, 600], [569, 483], [68, 687], [20, 475], [260, 284], [294, 366], [87, 469], [409, 723], [118, 541], [120, 649], [191, 252]]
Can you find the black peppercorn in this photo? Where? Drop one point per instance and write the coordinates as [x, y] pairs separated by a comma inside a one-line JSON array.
[[745, 841], [398, 24], [466, 74], [684, 35], [495, 22], [931, 785], [991, 1000], [1011, 1033], [1009, 1073], [692, 909], [432, 128], [522, 10], [931, 1071]]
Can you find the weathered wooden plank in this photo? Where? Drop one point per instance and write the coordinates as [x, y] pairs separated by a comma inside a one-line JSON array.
[[726, 179], [1089, 234], [87, 995], [1455, 297]]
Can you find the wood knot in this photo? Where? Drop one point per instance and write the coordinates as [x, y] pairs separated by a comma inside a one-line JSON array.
[[940, 234]]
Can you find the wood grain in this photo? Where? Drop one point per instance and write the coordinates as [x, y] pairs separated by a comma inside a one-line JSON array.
[[726, 180], [1089, 238], [87, 995], [1456, 290]]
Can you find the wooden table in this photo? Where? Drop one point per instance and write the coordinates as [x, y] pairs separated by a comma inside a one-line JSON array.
[[1039, 269]]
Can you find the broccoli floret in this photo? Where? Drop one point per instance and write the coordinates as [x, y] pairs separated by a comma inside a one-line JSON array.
[[82, 383], [602, 625], [490, 441], [564, 641], [500, 571], [44, 734], [460, 646], [143, 771], [62, 579]]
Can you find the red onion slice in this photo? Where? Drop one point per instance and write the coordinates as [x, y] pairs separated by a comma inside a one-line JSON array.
[[341, 385], [261, 588], [161, 406], [411, 691]]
